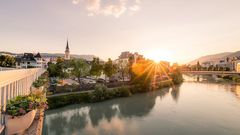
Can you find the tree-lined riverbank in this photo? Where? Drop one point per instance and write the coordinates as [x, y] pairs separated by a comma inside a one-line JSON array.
[[101, 93]]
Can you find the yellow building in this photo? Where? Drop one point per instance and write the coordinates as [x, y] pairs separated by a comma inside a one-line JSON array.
[[237, 66]]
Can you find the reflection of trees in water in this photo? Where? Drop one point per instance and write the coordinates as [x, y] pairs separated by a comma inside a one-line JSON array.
[[99, 111], [135, 106], [138, 106], [163, 92], [58, 125], [61, 123], [198, 78], [77, 122], [175, 92]]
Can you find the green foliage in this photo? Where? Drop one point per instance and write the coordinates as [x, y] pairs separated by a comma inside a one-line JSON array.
[[176, 76], [60, 101], [142, 73], [40, 82], [96, 67], [58, 69], [7, 61], [123, 68], [80, 68], [109, 68], [101, 93], [167, 83], [24, 104], [124, 92]]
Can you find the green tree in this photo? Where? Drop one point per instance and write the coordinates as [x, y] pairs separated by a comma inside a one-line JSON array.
[[80, 68], [198, 66], [58, 69], [52, 70], [142, 73], [109, 69], [96, 67], [7, 61], [123, 68]]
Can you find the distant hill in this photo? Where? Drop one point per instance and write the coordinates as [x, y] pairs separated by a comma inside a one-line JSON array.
[[215, 57], [86, 57]]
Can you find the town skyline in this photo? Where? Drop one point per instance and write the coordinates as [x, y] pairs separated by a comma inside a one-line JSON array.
[[172, 28], [148, 56]]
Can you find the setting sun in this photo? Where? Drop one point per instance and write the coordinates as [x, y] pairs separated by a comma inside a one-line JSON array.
[[160, 55]]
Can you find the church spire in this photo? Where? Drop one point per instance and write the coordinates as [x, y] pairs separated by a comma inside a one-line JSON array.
[[67, 47], [67, 52]]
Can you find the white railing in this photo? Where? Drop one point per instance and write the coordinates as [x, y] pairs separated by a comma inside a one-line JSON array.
[[5, 68], [17, 82], [14, 83]]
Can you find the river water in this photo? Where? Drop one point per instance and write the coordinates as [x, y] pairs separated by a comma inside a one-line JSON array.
[[200, 106]]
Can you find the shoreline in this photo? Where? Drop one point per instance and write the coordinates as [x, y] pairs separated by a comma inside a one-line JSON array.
[[95, 96]]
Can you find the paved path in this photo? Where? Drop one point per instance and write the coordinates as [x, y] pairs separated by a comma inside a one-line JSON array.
[[68, 93], [77, 92]]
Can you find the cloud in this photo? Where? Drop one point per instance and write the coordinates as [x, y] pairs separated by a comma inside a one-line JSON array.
[[111, 7]]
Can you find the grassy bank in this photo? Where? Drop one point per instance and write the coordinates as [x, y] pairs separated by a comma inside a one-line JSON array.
[[101, 93]]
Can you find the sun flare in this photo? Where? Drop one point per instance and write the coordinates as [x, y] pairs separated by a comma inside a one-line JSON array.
[[160, 55]]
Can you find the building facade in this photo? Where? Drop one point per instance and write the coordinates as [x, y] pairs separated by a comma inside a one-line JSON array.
[[29, 60]]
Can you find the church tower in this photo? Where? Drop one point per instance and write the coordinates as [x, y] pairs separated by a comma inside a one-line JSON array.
[[67, 52]]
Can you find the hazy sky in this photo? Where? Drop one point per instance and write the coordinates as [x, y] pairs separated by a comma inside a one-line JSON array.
[[180, 29]]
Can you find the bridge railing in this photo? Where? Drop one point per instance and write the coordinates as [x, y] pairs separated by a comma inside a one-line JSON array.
[[14, 83], [5, 68]]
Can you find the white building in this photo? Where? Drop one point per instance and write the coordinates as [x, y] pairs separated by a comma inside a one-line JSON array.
[[29, 60]]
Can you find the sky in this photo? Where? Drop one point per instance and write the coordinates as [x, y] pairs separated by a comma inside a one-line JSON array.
[[175, 30]]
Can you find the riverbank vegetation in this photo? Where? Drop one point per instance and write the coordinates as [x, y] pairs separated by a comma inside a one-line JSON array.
[[41, 81], [101, 93], [145, 75]]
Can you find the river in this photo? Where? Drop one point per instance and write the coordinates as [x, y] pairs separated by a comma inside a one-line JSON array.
[[200, 106]]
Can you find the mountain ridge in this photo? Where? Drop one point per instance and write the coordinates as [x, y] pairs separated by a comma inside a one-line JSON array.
[[215, 57]]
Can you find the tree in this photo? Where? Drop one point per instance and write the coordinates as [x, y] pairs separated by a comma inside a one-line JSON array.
[[109, 68], [52, 70], [58, 69], [80, 68], [123, 68], [143, 73], [198, 66], [7, 61], [96, 68]]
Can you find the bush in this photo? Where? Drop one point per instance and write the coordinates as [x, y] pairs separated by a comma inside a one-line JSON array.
[[124, 92], [165, 84], [176, 76], [60, 101], [23, 104], [101, 93], [39, 82], [228, 77]]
